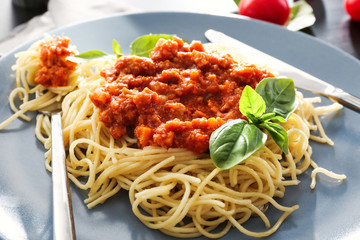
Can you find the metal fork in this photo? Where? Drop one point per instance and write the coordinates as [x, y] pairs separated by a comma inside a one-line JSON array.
[[63, 220]]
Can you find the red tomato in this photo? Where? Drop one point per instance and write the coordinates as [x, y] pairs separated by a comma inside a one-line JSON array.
[[353, 9], [275, 11]]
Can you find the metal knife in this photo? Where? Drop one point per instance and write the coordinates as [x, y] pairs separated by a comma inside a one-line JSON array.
[[301, 79]]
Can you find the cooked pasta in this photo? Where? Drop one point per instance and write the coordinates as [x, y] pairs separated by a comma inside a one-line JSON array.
[[173, 190]]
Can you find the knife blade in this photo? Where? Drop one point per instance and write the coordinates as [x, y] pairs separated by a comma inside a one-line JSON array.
[[302, 80]]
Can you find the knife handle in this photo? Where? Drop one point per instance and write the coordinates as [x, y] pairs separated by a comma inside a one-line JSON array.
[[346, 99]]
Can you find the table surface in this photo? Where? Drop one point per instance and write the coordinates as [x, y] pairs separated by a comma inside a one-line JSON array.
[[332, 25]]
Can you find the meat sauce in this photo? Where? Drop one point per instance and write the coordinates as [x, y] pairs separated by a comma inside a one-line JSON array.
[[177, 97], [54, 68]]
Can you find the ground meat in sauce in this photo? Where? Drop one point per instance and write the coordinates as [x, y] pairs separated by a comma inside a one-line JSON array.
[[175, 98], [54, 68]]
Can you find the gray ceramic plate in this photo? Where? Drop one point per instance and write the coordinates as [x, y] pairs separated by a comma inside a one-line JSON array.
[[331, 211]]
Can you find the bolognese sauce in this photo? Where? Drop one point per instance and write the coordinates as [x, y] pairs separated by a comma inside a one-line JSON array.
[[54, 68], [175, 98]]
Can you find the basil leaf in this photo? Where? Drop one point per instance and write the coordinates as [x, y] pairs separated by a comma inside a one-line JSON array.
[[271, 116], [116, 48], [251, 103], [253, 119], [94, 55], [278, 133], [279, 95], [143, 45], [237, 2], [267, 117], [278, 119], [234, 142], [301, 16]]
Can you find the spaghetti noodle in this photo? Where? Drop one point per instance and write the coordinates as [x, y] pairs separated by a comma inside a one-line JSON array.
[[175, 190]]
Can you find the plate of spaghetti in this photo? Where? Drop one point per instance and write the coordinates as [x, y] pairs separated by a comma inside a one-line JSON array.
[[170, 137]]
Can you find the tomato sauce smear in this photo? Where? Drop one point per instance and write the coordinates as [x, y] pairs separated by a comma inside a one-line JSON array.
[[54, 68], [177, 97]]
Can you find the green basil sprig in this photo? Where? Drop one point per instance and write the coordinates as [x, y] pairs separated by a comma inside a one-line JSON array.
[[117, 49], [272, 101], [233, 142], [142, 46], [279, 96], [97, 55], [93, 55]]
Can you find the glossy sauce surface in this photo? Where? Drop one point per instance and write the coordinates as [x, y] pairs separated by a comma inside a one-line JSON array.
[[175, 98]]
